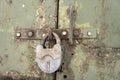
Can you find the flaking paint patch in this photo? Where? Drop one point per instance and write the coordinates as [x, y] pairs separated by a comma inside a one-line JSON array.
[[64, 17], [78, 58], [77, 61], [40, 14], [64, 20], [85, 25]]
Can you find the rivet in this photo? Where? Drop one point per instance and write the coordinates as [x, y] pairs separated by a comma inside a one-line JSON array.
[[89, 33], [43, 35], [64, 33], [30, 34], [18, 34]]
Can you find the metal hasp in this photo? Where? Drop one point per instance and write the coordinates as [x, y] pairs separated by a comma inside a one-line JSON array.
[[49, 60], [64, 34], [71, 24]]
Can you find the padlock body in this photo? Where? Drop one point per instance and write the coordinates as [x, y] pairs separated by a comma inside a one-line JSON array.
[[49, 60]]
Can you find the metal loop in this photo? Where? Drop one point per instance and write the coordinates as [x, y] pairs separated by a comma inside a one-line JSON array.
[[56, 38]]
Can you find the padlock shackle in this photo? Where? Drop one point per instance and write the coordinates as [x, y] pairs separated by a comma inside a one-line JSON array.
[[56, 38]]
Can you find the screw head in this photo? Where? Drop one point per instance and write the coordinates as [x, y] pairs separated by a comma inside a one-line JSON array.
[[64, 33], [18, 34]]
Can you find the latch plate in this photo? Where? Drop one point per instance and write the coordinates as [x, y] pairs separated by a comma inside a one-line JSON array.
[[38, 34]]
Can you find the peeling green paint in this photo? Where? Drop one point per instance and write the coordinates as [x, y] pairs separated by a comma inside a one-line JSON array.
[[91, 59]]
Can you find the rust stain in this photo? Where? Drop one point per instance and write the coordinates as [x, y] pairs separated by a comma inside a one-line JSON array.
[[74, 13], [103, 29], [103, 8], [103, 16], [85, 66], [90, 55], [9, 2], [41, 14]]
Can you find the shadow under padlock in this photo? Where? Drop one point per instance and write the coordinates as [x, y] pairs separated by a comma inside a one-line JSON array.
[[49, 59]]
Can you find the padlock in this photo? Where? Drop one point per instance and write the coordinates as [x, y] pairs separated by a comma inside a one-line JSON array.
[[49, 60]]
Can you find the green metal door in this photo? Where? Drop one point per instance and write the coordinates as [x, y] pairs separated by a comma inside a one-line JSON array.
[[89, 58]]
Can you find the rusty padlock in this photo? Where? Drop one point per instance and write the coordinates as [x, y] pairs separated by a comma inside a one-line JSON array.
[[49, 60]]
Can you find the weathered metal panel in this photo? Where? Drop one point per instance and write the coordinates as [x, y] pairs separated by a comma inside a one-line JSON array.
[[93, 59], [96, 58], [17, 58]]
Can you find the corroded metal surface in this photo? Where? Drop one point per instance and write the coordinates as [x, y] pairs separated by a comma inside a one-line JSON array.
[[19, 56], [93, 59], [97, 58]]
